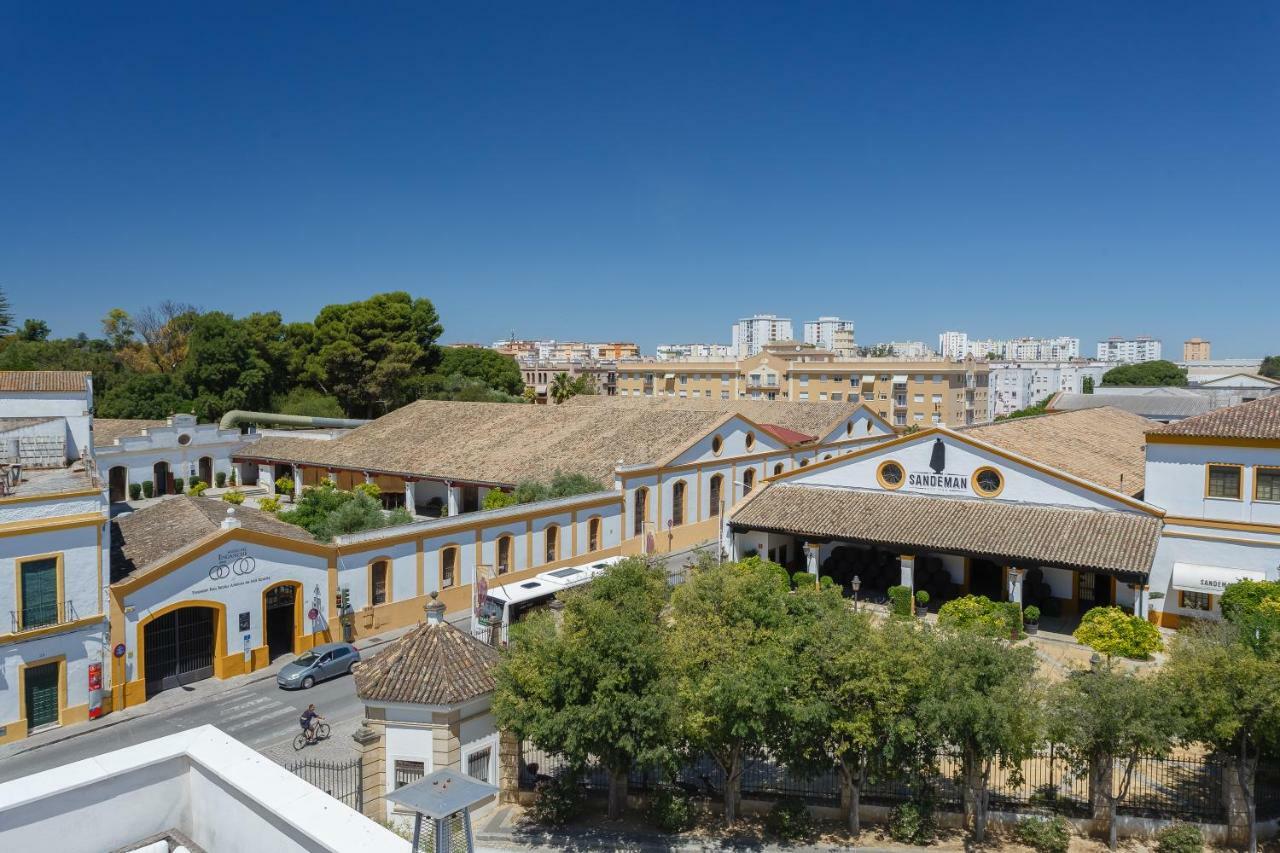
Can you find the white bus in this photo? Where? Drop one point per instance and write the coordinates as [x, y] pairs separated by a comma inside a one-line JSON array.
[[510, 602]]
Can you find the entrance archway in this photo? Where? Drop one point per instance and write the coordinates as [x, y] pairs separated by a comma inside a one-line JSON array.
[[179, 646], [118, 479], [160, 478], [281, 618], [206, 470], [1093, 590]]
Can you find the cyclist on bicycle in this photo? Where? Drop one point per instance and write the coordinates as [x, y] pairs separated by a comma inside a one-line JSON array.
[[309, 721]]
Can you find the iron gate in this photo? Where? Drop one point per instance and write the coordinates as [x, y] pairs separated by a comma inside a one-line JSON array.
[[179, 648], [339, 779]]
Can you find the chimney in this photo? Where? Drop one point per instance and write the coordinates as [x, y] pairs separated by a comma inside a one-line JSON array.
[[230, 521], [435, 610]]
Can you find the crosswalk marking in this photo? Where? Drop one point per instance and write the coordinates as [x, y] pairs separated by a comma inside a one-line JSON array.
[[253, 721]]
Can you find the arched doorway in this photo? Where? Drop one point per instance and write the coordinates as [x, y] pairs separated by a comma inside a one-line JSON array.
[[206, 470], [281, 618], [160, 478], [179, 647], [118, 479]]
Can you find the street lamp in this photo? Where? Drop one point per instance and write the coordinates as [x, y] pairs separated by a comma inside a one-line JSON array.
[[856, 583]]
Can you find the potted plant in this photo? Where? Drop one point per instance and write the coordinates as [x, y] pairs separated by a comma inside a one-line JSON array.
[[284, 488], [922, 603], [1031, 619]]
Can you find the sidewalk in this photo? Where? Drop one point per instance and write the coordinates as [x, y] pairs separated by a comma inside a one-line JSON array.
[[170, 700]]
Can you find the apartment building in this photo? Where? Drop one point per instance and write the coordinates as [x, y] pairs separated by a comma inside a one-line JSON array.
[[538, 375], [957, 345], [668, 352], [752, 334], [905, 392], [1129, 350], [954, 345], [822, 332], [906, 349], [615, 351], [553, 350], [1196, 349], [1015, 385]]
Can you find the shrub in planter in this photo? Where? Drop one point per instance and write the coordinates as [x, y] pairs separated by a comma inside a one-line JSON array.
[[231, 478], [271, 505], [135, 491], [900, 601], [1031, 619], [922, 602], [911, 823], [220, 478], [1110, 631], [789, 819], [284, 485], [148, 488], [233, 497], [981, 615], [178, 483], [1179, 838], [1051, 835], [557, 801], [670, 809], [801, 579], [197, 488]]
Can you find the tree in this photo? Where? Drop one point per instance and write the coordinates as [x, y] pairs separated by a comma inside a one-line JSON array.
[[1112, 632], [1254, 608], [1037, 408], [325, 511], [983, 703], [374, 355], [305, 401], [856, 697], [1104, 716], [562, 387], [222, 368], [731, 668], [1270, 367], [33, 330], [562, 485], [600, 685], [497, 499], [117, 326], [1086, 385], [1146, 373], [497, 371], [1229, 698], [164, 330], [6, 314], [144, 395]]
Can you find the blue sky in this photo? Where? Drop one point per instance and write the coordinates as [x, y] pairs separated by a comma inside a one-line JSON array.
[[652, 171]]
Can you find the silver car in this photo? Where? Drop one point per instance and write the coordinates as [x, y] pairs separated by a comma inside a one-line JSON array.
[[325, 661]]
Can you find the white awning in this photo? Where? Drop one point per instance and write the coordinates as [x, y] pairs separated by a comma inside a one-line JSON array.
[[1190, 577], [899, 379], [669, 376]]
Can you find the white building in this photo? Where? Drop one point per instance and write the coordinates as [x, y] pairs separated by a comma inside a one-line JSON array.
[[50, 394], [907, 349], [1129, 350], [954, 345], [751, 334], [957, 345], [822, 332], [708, 352], [1015, 385], [135, 451]]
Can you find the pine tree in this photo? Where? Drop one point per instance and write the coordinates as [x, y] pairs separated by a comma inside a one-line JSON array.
[[6, 314]]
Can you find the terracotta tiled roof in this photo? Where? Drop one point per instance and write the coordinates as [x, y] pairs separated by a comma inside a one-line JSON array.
[[789, 436], [145, 536], [9, 424], [814, 417], [107, 430], [1104, 446], [43, 380], [434, 664], [1255, 419], [1023, 534]]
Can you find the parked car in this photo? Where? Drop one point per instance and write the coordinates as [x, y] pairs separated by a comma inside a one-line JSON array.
[[322, 662]]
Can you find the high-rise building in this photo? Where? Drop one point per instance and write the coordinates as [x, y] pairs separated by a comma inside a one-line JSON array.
[[906, 349], [1129, 350], [822, 331], [953, 345], [843, 344], [751, 334], [669, 352], [1018, 384], [1196, 349], [957, 345]]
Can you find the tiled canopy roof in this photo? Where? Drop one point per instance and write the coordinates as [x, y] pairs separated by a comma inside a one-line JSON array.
[[43, 380], [1151, 406], [434, 664], [1104, 446], [1258, 419], [1022, 534], [107, 430], [810, 417]]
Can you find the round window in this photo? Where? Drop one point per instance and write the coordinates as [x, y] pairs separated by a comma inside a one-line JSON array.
[[184, 439], [988, 482], [890, 475]]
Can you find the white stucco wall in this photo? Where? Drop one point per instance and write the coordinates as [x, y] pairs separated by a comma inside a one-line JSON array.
[[1175, 481], [80, 647], [74, 407], [81, 561]]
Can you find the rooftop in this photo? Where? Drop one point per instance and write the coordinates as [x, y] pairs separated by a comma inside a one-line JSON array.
[[44, 380], [816, 418], [1121, 542], [142, 538], [51, 481], [107, 430], [1102, 445], [1258, 419], [1152, 406], [10, 424]]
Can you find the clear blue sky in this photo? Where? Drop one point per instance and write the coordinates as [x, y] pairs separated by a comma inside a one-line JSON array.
[[652, 171]]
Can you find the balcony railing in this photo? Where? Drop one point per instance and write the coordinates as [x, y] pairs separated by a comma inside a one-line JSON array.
[[42, 616]]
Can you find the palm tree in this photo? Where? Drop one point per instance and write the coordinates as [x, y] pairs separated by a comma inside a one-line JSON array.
[[562, 387]]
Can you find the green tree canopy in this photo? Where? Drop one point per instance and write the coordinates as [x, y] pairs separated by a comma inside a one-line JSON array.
[[1270, 367], [223, 369], [497, 371], [306, 401], [1146, 373], [599, 687], [145, 395], [326, 511], [6, 314], [33, 330]]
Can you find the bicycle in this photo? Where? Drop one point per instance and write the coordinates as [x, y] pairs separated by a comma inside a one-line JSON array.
[[300, 742]]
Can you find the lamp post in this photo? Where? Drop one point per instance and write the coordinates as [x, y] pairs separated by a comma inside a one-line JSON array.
[[856, 583]]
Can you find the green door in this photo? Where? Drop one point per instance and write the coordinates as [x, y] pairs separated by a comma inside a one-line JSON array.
[[42, 695], [39, 593]]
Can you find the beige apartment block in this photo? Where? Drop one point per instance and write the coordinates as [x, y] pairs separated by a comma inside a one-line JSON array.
[[1196, 349], [905, 392]]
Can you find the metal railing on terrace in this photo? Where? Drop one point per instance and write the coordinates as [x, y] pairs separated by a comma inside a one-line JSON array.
[[42, 616]]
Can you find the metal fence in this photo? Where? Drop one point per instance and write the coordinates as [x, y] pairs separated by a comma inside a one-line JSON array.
[[1183, 788], [339, 779]]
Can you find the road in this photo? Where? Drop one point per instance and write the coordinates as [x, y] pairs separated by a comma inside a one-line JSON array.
[[258, 714]]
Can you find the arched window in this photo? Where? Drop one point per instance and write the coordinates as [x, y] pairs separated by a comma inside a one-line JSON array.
[[677, 503], [777, 469], [448, 566], [504, 554], [716, 482], [641, 510], [553, 544], [380, 582], [748, 481], [593, 534]]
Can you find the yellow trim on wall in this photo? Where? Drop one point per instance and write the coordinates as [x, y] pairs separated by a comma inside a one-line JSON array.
[[390, 589], [977, 490], [223, 667], [456, 550], [295, 646], [1256, 470], [18, 563], [886, 484], [48, 630], [1209, 466], [61, 661], [682, 500], [51, 496], [1173, 438], [61, 522], [1246, 526]]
